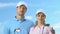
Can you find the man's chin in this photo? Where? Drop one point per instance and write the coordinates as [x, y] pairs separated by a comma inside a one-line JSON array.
[[21, 14]]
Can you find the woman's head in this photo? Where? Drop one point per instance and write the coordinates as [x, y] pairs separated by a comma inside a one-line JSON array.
[[40, 16]]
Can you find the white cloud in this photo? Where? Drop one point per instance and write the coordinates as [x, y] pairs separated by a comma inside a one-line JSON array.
[[57, 12], [7, 4], [29, 17], [56, 26]]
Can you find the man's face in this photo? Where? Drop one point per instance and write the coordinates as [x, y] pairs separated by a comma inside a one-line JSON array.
[[21, 10], [40, 17]]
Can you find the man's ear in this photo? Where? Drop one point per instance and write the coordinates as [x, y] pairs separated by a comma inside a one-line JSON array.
[[16, 8]]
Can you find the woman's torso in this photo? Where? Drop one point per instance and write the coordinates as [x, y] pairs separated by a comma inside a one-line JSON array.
[[41, 30]]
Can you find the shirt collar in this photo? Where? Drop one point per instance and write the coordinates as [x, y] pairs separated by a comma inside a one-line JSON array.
[[40, 26], [19, 20]]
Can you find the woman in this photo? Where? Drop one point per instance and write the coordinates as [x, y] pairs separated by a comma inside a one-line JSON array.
[[40, 27]]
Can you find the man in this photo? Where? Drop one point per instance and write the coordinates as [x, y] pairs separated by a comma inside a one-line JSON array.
[[18, 25]]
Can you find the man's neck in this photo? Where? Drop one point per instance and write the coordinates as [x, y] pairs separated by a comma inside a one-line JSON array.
[[20, 17]]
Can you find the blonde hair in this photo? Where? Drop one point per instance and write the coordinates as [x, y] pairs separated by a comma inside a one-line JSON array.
[[37, 23]]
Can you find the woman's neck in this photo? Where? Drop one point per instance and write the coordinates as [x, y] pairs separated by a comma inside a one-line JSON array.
[[40, 24]]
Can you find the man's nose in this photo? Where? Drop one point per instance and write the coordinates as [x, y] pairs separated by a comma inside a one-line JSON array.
[[21, 8]]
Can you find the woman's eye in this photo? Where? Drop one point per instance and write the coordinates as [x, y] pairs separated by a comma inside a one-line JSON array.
[[42, 16]]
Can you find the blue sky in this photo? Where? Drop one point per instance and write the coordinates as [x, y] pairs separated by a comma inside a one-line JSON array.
[[51, 7]]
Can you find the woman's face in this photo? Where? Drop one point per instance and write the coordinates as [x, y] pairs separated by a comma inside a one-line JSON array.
[[40, 17]]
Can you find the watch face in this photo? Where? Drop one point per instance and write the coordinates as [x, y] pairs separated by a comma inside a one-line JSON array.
[[17, 30]]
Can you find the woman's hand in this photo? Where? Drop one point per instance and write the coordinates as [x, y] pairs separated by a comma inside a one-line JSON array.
[[53, 31]]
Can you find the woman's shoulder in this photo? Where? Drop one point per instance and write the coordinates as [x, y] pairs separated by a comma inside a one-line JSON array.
[[48, 27], [32, 28]]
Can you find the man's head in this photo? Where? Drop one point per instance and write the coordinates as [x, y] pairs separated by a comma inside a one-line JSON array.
[[21, 8]]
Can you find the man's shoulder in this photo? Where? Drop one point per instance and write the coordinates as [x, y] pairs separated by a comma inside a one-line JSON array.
[[8, 21], [28, 20]]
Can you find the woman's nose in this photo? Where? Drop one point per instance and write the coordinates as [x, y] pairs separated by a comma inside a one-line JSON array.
[[40, 17], [21, 8]]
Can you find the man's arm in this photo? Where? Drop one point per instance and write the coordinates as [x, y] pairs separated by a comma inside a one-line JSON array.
[[4, 28]]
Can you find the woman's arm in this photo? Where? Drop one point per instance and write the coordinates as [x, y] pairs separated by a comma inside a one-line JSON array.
[[52, 31]]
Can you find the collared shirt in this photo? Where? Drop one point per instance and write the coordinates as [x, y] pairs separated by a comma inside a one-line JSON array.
[[15, 26], [40, 30]]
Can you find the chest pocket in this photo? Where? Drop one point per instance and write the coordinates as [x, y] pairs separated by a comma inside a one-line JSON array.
[[15, 30], [18, 30]]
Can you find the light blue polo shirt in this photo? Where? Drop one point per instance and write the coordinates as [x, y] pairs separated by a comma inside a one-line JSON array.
[[15, 26]]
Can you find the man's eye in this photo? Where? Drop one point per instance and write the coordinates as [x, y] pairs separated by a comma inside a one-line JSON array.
[[42, 15], [38, 15]]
